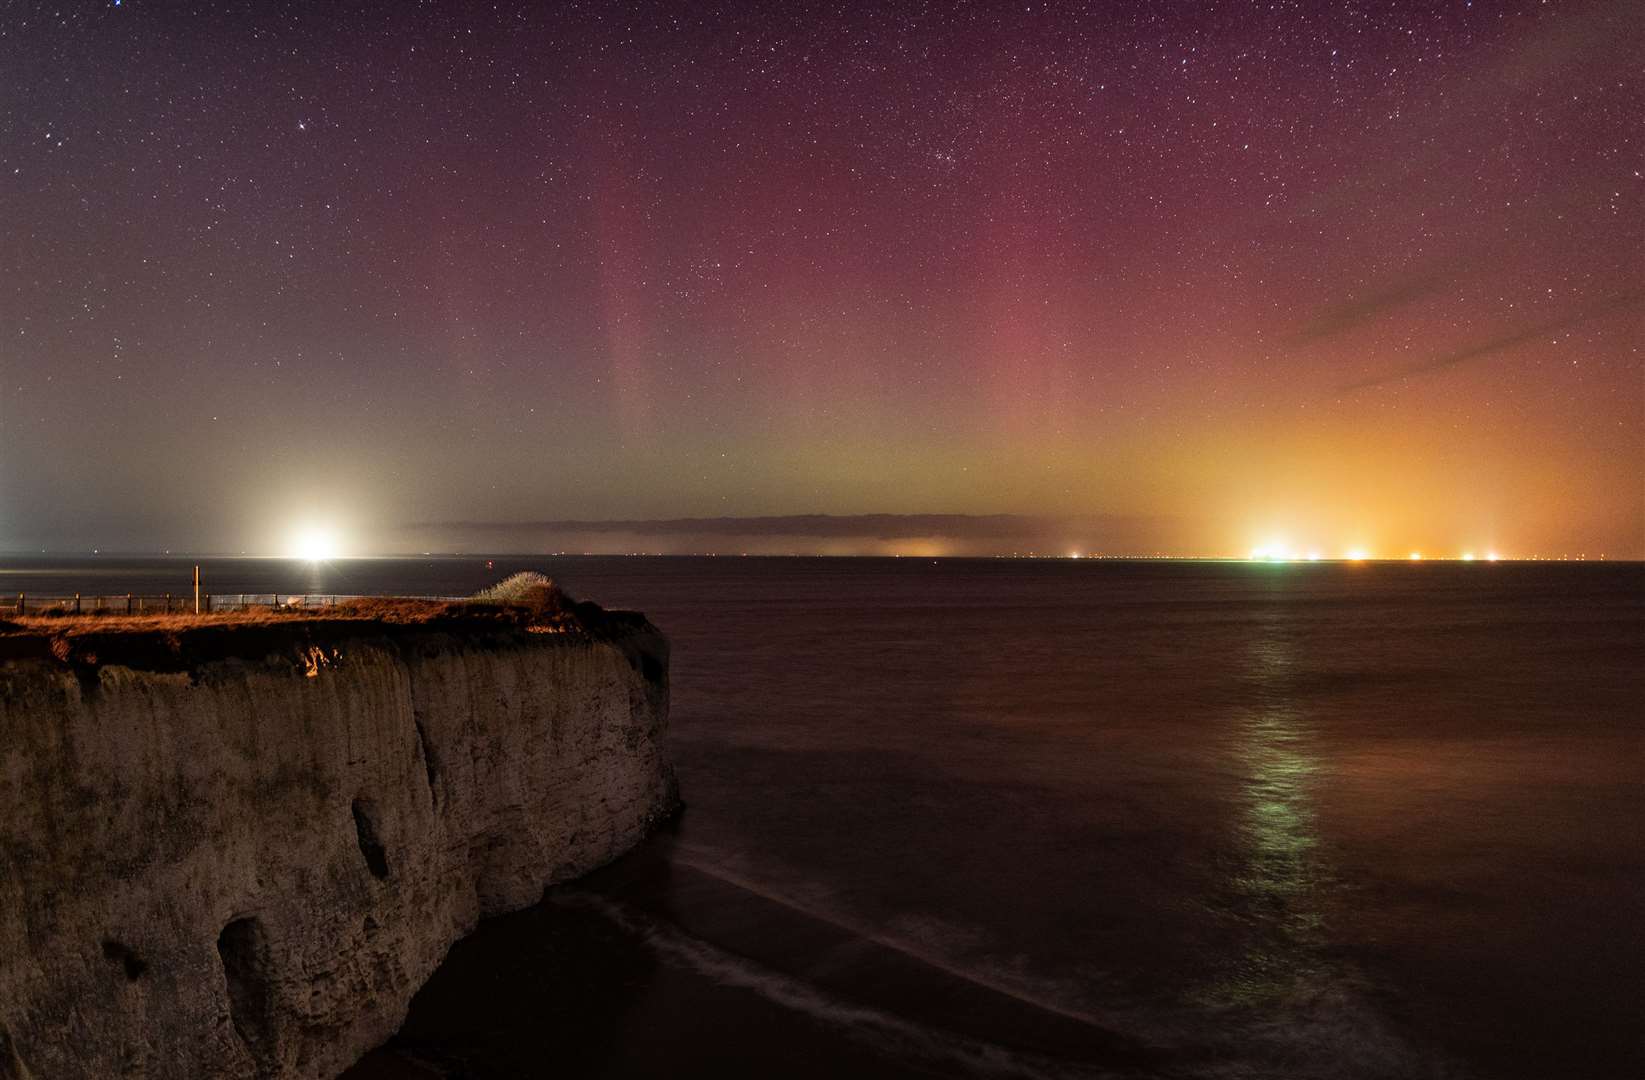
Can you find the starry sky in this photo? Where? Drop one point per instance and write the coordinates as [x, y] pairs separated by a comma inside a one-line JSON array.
[[1324, 275]]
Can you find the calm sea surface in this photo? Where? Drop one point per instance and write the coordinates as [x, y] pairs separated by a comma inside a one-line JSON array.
[[1077, 819]]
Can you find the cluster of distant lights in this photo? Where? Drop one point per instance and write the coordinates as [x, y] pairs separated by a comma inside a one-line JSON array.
[[1278, 553]]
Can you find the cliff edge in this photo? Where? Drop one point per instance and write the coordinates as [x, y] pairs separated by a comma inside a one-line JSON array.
[[238, 848]]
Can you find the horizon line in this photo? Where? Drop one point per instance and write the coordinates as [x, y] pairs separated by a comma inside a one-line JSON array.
[[1020, 556]]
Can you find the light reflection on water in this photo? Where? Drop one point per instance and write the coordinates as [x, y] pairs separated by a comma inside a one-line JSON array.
[[1278, 873]]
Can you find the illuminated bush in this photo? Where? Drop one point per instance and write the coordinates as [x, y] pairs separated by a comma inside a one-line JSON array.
[[530, 589]]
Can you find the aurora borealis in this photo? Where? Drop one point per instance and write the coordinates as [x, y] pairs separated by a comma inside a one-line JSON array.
[[1355, 275]]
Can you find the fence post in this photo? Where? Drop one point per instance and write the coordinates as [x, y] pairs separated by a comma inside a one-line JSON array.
[[197, 588], [128, 603], [77, 603], [21, 608], [168, 603]]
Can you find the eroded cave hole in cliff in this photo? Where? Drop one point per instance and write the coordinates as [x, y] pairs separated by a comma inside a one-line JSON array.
[[652, 668], [365, 831], [243, 947]]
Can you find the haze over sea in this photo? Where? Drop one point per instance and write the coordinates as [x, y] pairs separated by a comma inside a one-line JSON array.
[[1047, 818]]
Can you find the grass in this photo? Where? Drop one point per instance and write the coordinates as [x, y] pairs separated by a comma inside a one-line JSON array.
[[526, 597], [183, 641], [387, 610], [69, 622]]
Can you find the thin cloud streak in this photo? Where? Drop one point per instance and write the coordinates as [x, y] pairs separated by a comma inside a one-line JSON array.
[[1497, 344], [1340, 318]]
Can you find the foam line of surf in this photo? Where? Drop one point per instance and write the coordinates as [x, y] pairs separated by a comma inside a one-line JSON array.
[[1346, 1040], [905, 948], [888, 1033]]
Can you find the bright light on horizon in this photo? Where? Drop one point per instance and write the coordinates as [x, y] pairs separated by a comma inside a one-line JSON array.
[[1275, 551], [1278, 551], [314, 544]]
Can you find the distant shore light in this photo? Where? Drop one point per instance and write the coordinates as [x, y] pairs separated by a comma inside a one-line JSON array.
[[1274, 551], [1358, 555], [1416, 556], [1493, 557], [1467, 556], [314, 544]]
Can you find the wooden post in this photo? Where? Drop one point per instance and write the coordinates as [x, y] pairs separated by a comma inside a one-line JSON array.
[[77, 603], [168, 603], [21, 608], [128, 603], [197, 588]]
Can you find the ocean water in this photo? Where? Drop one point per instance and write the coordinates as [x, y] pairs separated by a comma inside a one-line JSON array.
[[1057, 818]]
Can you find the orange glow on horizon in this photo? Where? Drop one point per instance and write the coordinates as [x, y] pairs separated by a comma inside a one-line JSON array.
[[1276, 551]]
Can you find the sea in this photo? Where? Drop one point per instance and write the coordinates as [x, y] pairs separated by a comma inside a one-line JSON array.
[[1075, 818]]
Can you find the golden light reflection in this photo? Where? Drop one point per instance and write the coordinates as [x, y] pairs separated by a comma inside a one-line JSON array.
[[1275, 890]]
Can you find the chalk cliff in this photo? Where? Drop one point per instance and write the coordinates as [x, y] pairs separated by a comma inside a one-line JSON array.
[[239, 850]]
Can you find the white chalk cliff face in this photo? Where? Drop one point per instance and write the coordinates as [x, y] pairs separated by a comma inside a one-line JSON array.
[[245, 865]]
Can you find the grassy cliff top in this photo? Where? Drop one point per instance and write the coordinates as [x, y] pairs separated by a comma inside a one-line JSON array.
[[385, 610], [174, 642]]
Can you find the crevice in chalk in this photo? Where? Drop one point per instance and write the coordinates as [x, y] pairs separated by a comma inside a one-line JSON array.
[[365, 832], [430, 766]]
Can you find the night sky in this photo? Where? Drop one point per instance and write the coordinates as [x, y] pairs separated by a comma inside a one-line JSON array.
[[1312, 275]]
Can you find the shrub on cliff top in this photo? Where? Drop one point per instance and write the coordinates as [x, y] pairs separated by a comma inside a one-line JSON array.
[[528, 589]]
